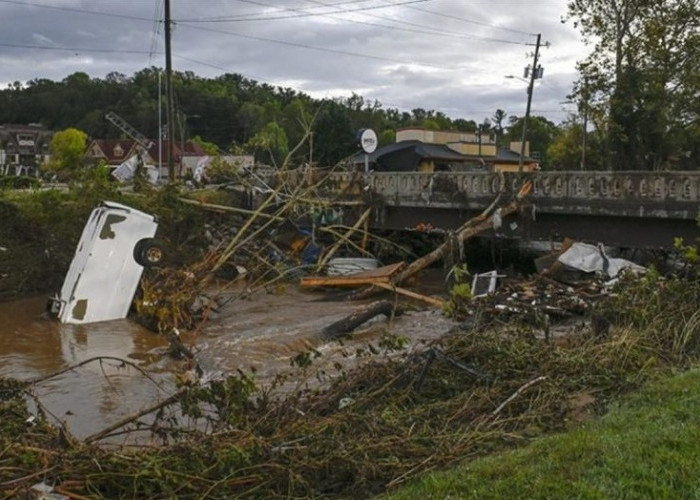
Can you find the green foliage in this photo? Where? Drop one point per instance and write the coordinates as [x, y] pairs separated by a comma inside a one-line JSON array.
[[67, 150], [19, 182], [540, 133], [208, 147], [565, 152], [639, 83], [460, 294], [219, 170], [387, 137], [223, 403], [270, 144], [690, 252]]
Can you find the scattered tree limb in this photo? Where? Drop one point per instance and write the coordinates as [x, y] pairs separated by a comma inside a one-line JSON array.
[[225, 208], [516, 394], [133, 418], [92, 360], [349, 323], [345, 237], [468, 230], [408, 293]]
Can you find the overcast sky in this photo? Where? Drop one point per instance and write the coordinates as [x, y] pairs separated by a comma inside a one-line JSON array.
[[448, 55]]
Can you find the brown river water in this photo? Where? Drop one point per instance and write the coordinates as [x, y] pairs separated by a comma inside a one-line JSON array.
[[260, 334]]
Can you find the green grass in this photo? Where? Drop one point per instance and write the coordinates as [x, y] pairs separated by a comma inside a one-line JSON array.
[[647, 447]]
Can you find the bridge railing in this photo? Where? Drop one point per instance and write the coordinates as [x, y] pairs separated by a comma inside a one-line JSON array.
[[620, 186], [656, 194], [623, 186]]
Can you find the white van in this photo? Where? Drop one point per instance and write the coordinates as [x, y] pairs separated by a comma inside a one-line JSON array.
[[116, 244]]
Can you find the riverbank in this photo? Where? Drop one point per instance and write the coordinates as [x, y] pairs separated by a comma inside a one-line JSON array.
[[646, 447], [492, 384], [359, 414]]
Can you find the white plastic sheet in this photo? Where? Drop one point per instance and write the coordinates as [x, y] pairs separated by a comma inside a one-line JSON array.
[[591, 258]]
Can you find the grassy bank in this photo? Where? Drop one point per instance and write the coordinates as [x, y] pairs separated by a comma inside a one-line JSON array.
[[646, 447]]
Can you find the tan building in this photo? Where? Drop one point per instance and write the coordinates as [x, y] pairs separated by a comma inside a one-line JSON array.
[[480, 149]]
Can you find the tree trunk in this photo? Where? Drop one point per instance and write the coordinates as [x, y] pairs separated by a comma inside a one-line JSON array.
[[349, 323]]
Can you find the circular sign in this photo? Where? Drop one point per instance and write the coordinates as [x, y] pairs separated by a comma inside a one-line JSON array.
[[368, 140]]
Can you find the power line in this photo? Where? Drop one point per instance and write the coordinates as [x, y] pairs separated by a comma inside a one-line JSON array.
[[311, 47], [244, 17], [470, 21], [156, 29], [434, 32], [225, 70], [333, 15], [72, 49], [79, 11], [304, 13]]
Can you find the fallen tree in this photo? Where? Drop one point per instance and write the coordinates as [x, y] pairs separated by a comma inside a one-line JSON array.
[[360, 316], [491, 216]]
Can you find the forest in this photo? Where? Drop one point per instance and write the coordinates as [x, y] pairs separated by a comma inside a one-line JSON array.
[[234, 113]]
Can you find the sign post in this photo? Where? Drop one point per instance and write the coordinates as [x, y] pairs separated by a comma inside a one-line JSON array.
[[368, 143]]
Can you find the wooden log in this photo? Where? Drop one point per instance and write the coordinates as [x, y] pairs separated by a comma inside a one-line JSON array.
[[368, 277], [349, 323], [408, 293], [471, 228]]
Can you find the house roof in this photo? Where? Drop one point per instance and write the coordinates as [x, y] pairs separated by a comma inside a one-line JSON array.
[[407, 155], [115, 152], [422, 149], [505, 155]]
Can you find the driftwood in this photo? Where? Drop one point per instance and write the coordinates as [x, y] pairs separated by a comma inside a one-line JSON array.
[[368, 277], [471, 228], [133, 418], [349, 323], [516, 394], [408, 293], [363, 218], [468, 230]]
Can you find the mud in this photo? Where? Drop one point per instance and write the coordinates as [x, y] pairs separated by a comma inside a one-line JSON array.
[[258, 335]]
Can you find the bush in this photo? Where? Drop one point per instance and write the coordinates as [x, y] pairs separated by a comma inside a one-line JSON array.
[[19, 182]]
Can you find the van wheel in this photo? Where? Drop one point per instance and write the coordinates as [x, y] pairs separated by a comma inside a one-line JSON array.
[[148, 252]]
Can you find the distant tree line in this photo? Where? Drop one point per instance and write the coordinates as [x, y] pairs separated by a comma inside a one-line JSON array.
[[234, 113]]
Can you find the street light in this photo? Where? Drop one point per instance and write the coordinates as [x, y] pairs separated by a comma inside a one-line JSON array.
[[516, 78]]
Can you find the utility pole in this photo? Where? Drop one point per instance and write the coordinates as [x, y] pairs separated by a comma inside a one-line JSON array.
[[584, 131], [535, 72], [169, 96]]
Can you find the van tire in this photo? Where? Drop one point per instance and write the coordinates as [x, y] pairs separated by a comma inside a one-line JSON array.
[[148, 252]]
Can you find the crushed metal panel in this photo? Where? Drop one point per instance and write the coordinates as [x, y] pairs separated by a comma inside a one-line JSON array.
[[593, 258]]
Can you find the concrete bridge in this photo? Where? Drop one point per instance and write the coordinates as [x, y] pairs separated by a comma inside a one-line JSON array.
[[624, 209]]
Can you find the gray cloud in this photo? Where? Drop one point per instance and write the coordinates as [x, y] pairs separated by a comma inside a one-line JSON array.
[[447, 55]]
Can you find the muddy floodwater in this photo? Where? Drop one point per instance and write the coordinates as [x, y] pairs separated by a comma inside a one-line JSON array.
[[259, 335]]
